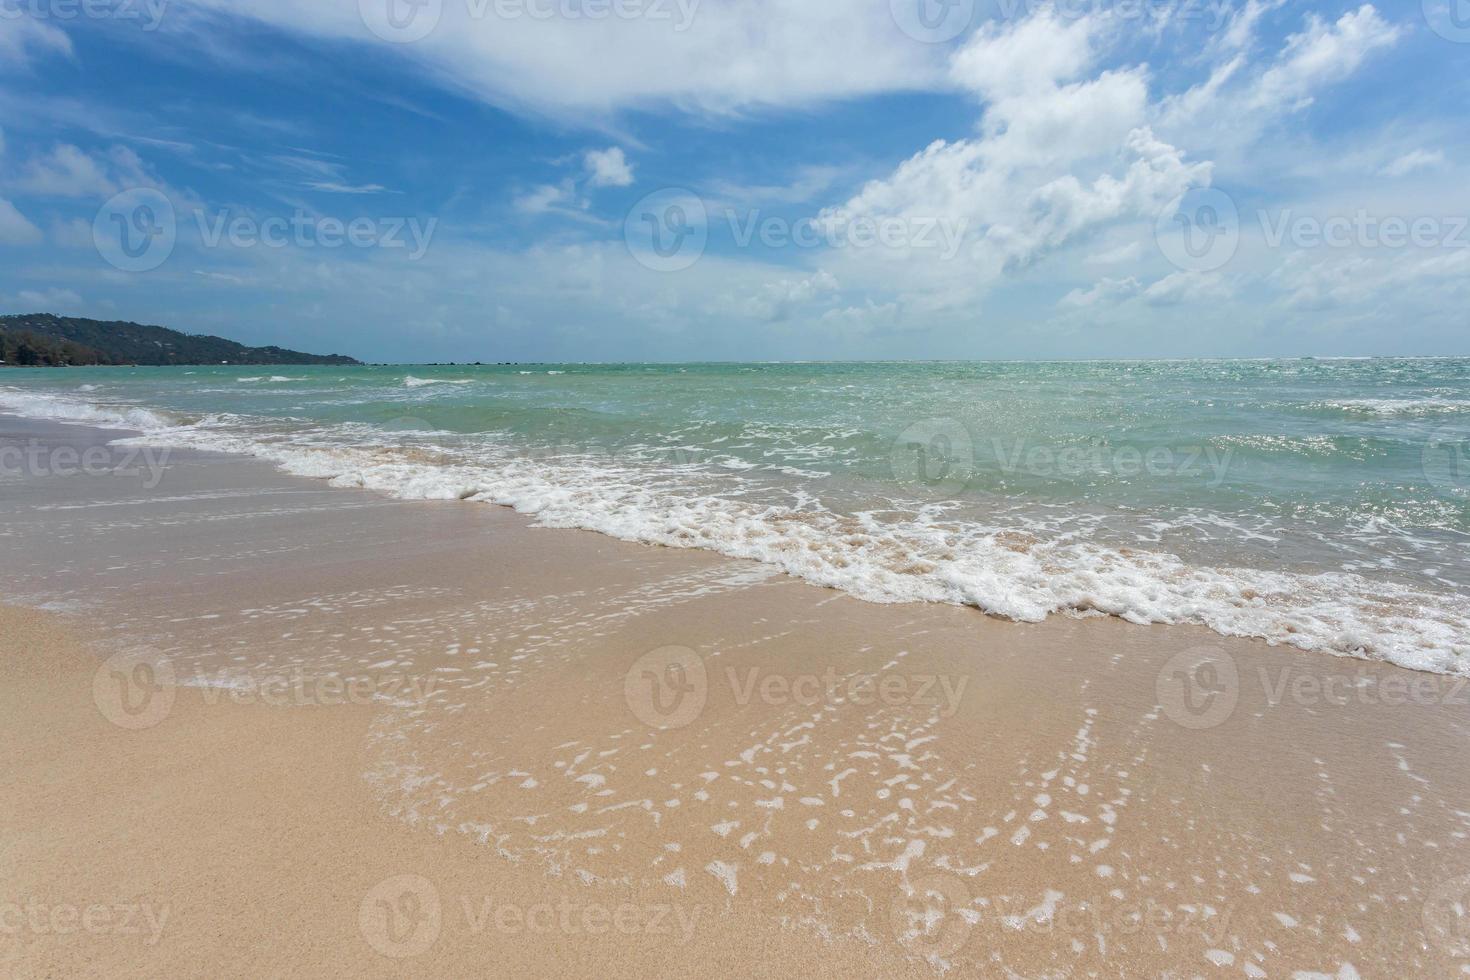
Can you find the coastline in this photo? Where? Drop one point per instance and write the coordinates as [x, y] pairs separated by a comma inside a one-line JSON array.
[[232, 573]]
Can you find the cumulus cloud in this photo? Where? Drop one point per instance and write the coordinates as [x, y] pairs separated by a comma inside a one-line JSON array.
[[70, 172], [1321, 55], [776, 300], [15, 228], [608, 168], [1064, 149]]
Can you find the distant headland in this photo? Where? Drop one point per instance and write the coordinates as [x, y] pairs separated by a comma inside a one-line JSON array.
[[47, 340]]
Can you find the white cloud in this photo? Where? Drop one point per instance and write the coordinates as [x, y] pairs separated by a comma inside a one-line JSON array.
[[559, 199], [333, 187], [1003, 61], [15, 228], [776, 300], [703, 56], [805, 185], [1186, 287], [1127, 252], [1239, 100], [1171, 290], [72, 233], [1061, 155], [22, 39], [1321, 55], [67, 171], [1413, 160], [47, 300], [1241, 31], [608, 168], [1103, 291], [863, 318], [1353, 280]]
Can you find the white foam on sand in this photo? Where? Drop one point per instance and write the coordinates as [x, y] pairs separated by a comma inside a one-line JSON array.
[[1005, 571]]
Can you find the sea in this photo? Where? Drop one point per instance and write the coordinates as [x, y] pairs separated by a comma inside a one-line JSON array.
[[1321, 503]]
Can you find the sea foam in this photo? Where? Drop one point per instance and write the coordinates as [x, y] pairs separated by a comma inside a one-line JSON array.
[[1004, 571]]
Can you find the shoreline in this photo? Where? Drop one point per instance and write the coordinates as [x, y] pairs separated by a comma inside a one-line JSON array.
[[1016, 573], [936, 749]]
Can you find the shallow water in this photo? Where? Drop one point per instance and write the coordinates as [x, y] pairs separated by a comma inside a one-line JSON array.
[[1322, 503]]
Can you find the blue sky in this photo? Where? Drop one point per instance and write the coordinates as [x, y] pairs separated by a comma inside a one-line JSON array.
[[763, 179]]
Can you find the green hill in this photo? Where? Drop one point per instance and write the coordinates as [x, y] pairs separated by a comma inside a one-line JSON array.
[[44, 340]]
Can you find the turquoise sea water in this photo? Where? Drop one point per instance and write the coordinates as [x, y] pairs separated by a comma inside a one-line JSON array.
[[1324, 503]]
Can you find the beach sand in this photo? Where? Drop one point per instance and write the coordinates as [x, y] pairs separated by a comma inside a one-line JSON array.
[[276, 727]]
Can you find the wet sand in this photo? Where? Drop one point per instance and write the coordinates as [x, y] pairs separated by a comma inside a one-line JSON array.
[[330, 732]]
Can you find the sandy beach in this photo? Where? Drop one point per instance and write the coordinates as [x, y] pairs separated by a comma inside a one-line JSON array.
[[258, 725]]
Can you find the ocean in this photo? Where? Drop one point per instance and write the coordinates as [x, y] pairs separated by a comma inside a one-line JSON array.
[[1319, 503]]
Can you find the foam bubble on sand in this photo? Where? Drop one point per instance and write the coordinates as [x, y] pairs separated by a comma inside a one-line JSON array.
[[1041, 914], [726, 873]]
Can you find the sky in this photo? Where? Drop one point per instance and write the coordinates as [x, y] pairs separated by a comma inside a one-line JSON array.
[[677, 180]]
